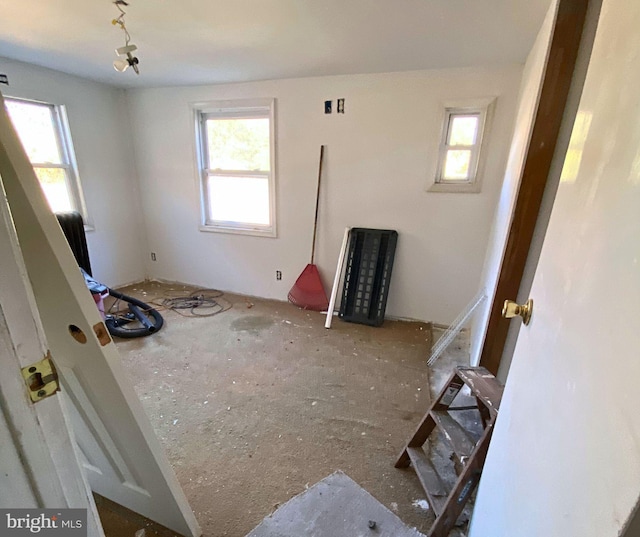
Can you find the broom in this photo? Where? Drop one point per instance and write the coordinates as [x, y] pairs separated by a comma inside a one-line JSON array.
[[308, 292]]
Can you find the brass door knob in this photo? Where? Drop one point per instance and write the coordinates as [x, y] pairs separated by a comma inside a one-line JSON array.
[[511, 309]]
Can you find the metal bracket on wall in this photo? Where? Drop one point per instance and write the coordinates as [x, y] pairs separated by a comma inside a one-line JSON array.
[[41, 379]]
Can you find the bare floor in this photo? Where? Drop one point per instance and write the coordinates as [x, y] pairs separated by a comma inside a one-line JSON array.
[[259, 402]]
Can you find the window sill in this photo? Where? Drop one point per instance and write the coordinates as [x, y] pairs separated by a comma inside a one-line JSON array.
[[271, 233], [461, 188]]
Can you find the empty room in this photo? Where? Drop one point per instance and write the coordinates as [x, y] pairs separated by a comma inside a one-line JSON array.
[[287, 268]]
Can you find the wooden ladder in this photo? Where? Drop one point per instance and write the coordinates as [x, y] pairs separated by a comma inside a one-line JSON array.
[[469, 454]]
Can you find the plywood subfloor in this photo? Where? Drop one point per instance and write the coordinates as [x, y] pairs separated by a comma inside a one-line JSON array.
[[261, 401], [335, 507]]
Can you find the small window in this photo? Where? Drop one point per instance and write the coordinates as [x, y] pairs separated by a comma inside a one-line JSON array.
[[460, 148], [236, 160], [44, 133]]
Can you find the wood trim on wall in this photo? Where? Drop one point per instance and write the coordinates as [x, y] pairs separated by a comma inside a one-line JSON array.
[[557, 77]]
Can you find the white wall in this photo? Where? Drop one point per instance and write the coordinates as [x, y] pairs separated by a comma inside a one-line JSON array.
[[380, 158], [101, 136], [527, 106]]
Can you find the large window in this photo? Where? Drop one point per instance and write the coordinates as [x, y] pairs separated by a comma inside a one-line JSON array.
[[460, 155], [44, 133], [236, 166]]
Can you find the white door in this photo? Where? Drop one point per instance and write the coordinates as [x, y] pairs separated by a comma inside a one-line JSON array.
[[119, 450], [39, 466], [565, 455]]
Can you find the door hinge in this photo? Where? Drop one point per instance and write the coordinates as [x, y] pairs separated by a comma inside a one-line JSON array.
[[41, 379]]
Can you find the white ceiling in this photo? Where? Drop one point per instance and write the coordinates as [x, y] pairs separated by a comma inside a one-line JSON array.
[[213, 41]]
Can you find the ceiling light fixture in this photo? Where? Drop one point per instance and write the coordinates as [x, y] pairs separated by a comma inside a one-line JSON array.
[[122, 64], [129, 60]]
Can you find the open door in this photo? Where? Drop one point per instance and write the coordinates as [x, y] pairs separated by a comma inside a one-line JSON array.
[[39, 467], [565, 458], [548, 102], [119, 450]]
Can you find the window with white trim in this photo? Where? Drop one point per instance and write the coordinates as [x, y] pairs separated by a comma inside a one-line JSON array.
[[236, 159], [460, 149], [44, 132]]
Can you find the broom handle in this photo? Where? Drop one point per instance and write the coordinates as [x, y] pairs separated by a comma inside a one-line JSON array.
[[315, 221]]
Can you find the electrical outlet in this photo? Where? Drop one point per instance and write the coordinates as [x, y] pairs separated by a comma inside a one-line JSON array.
[[327, 107], [340, 107], [153, 256], [278, 274]]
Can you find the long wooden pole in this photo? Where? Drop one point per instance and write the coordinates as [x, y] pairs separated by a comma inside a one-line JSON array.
[[315, 220]]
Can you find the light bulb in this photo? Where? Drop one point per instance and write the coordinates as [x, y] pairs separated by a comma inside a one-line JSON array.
[[120, 65]]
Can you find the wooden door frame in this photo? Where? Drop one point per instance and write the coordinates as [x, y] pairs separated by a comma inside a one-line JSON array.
[[556, 82]]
